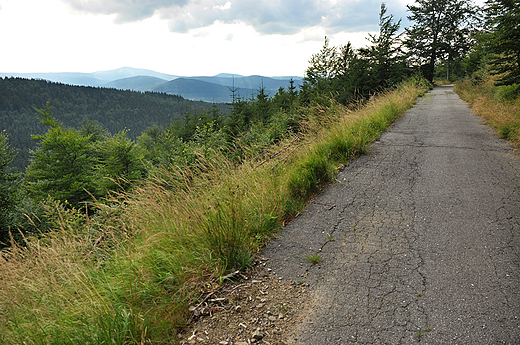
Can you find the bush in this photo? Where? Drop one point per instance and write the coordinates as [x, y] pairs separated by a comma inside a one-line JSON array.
[[507, 92]]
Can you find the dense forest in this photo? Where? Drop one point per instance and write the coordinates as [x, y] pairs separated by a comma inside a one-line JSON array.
[[110, 233], [76, 106]]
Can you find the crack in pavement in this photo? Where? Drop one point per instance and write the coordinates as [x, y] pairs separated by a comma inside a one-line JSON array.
[[419, 240]]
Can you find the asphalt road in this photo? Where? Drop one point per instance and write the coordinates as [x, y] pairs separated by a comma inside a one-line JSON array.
[[420, 240]]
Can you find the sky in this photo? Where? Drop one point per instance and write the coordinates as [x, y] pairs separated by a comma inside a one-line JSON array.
[[181, 37]]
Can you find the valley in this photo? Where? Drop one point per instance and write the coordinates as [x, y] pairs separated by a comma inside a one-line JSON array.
[[215, 89]]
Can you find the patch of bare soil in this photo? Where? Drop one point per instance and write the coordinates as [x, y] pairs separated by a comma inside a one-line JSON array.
[[256, 308]]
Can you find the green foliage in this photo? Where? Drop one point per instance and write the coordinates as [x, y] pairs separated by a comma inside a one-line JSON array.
[[94, 130], [449, 71], [208, 139], [474, 62], [8, 190], [508, 131], [164, 149], [314, 259], [76, 166], [441, 31], [227, 235], [76, 106], [385, 55], [419, 81], [260, 137], [336, 72], [63, 166], [183, 143], [507, 92], [210, 190], [286, 100], [309, 175], [498, 105], [322, 68], [347, 75], [503, 39], [121, 163], [127, 273]]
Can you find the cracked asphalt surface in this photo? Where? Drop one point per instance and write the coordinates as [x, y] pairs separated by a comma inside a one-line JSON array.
[[420, 240]]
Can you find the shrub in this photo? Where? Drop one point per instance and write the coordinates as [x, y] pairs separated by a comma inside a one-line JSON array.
[[507, 92]]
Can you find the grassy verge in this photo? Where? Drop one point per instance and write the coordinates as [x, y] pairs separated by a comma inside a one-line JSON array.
[[499, 106], [127, 275]]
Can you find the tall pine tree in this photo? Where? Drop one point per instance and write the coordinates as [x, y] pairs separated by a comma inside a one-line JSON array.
[[385, 54]]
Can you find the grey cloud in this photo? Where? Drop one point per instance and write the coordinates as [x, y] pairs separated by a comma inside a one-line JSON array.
[[265, 16], [125, 10]]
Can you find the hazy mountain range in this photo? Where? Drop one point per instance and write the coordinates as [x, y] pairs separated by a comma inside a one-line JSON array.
[[210, 89]]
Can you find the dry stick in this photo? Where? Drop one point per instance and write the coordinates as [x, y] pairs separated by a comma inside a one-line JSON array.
[[213, 292], [99, 240], [205, 299], [230, 275]]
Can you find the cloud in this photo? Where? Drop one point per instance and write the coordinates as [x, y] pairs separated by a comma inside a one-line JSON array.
[[283, 17], [125, 10]]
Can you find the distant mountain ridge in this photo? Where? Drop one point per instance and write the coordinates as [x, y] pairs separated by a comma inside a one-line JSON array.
[[139, 83], [196, 89], [95, 79], [217, 89]]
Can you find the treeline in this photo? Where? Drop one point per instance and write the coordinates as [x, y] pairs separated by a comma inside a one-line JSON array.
[[77, 160], [73, 106]]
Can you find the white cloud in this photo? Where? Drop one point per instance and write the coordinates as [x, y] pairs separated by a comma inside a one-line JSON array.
[[265, 16], [125, 10]]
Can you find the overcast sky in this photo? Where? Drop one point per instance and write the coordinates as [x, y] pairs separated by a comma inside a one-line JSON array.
[[180, 37]]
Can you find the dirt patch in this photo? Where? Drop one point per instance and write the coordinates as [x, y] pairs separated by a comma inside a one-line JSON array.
[[258, 307]]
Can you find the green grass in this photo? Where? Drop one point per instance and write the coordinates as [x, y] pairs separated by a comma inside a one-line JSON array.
[[314, 259], [127, 274]]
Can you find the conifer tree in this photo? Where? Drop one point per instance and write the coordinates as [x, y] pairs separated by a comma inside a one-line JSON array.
[[503, 39], [385, 55], [62, 166], [121, 163], [322, 68]]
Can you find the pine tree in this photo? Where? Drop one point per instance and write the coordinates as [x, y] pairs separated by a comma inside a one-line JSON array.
[[63, 166], [503, 39], [121, 163], [322, 69], [385, 55]]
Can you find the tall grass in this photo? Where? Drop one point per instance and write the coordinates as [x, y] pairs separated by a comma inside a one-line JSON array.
[[127, 274], [499, 106]]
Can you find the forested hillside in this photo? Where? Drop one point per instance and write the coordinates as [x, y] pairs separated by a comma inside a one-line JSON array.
[[196, 89], [114, 110]]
